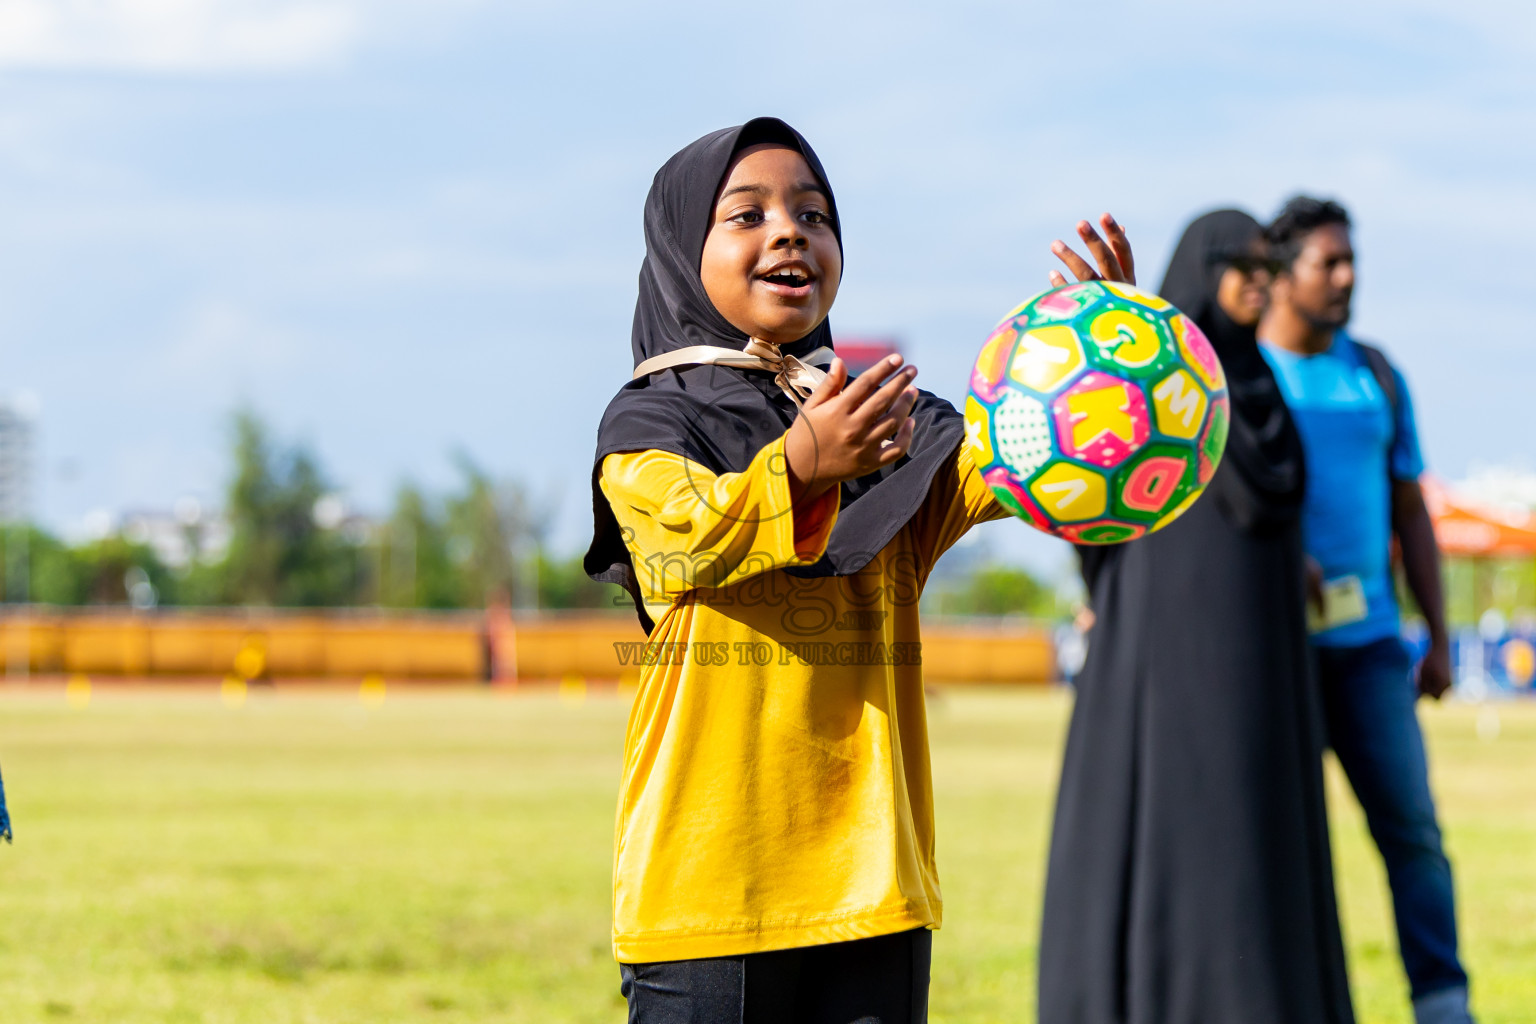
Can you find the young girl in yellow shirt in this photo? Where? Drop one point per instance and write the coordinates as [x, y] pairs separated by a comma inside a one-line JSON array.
[[775, 523]]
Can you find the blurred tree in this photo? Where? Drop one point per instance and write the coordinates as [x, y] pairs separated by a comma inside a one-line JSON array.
[[563, 583], [414, 568], [51, 574], [998, 590], [102, 571], [201, 584], [279, 553], [251, 563], [116, 571], [486, 521]]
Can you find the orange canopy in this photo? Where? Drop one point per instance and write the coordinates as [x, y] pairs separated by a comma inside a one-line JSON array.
[[1467, 528]]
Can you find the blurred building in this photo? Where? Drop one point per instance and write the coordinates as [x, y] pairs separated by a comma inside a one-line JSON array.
[[15, 462], [180, 536], [862, 353], [1499, 486], [191, 533]]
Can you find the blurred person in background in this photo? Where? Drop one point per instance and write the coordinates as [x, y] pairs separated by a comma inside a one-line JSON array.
[[1190, 876], [1356, 421]]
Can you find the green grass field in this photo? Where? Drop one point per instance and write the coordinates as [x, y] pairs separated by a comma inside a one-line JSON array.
[[445, 857]]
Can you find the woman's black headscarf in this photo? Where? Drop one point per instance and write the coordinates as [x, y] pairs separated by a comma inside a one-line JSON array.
[[721, 417], [1263, 447]]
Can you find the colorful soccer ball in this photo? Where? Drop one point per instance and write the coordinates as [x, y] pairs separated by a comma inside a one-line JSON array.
[[1098, 412]]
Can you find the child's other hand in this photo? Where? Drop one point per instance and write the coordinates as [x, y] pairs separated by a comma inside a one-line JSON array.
[[1114, 259], [846, 430]]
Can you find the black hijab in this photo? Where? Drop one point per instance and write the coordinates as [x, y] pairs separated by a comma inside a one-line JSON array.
[[1262, 477], [721, 417]]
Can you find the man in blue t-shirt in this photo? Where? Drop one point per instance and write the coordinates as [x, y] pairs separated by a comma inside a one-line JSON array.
[[1356, 423]]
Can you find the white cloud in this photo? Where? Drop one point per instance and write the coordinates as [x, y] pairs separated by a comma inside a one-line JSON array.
[[175, 35]]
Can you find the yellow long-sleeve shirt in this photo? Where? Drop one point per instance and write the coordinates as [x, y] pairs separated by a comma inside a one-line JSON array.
[[776, 789]]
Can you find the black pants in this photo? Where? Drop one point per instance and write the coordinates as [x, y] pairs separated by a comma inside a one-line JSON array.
[[883, 980]]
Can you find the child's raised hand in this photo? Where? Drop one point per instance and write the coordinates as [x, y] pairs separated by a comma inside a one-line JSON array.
[[1114, 258], [846, 430]]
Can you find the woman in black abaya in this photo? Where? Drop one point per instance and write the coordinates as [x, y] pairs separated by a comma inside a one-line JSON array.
[[1190, 879]]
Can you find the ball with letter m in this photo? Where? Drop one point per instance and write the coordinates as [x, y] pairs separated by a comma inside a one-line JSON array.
[[1097, 412]]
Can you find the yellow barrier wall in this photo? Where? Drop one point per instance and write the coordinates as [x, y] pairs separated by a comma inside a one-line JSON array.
[[280, 645], [955, 652]]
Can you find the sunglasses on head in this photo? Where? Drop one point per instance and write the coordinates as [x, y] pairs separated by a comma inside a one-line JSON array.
[[1248, 264]]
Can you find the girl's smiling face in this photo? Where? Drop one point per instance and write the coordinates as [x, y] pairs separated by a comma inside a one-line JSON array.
[[771, 261]]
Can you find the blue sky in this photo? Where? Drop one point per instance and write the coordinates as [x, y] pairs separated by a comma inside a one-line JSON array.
[[402, 228]]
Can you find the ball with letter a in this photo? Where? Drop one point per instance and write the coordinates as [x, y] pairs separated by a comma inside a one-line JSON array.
[[1097, 412]]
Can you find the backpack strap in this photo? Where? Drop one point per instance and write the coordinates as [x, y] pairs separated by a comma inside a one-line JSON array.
[[1386, 377]]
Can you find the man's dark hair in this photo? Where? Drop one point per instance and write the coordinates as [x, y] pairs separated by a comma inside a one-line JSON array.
[[1297, 219]]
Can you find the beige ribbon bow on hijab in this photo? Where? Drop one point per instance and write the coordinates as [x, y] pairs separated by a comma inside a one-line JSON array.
[[796, 377]]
